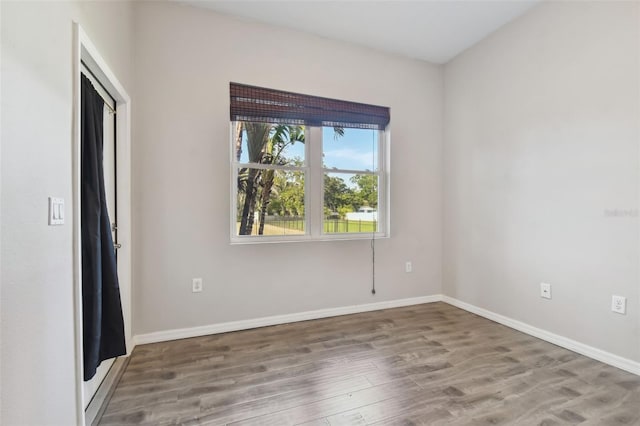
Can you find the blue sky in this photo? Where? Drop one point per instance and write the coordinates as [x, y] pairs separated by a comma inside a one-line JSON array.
[[353, 151]]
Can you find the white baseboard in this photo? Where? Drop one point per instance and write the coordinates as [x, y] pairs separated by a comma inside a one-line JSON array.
[[581, 348], [586, 350], [183, 333]]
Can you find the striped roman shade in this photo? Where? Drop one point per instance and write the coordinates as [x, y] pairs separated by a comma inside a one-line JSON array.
[[251, 103]]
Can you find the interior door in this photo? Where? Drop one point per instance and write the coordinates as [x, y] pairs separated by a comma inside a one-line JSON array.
[[109, 158]]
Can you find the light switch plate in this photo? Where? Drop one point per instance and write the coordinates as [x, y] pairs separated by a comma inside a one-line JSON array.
[[56, 211]]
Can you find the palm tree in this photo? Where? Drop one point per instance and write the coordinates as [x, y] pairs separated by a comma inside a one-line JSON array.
[[239, 128], [282, 136], [265, 145], [257, 138]]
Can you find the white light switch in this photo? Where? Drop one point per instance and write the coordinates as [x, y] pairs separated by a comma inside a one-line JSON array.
[[56, 211]]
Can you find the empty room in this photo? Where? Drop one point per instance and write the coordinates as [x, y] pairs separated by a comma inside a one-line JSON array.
[[316, 212]]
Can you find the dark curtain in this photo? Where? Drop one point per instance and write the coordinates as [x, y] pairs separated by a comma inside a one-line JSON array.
[[103, 325]]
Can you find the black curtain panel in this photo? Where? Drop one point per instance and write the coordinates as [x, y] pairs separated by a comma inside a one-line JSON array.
[[103, 325]]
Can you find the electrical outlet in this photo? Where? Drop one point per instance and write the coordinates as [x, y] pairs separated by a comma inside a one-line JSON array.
[[545, 290], [196, 285], [408, 267], [619, 304]]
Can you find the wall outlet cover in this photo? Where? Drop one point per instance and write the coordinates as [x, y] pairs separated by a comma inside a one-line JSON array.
[[196, 285], [408, 267], [545, 290], [619, 304]]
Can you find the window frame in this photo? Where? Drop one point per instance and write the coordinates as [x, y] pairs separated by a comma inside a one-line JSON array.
[[314, 171], [382, 188]]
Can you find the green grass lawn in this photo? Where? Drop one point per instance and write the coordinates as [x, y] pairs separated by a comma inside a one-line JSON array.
[[339, 226], [331, 226]]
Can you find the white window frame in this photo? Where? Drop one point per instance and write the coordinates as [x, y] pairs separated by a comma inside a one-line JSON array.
[[314, 192]]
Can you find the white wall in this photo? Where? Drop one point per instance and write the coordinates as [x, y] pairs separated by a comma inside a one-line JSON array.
[[541, 148], [38, 367], [185, 59], [541, 132]]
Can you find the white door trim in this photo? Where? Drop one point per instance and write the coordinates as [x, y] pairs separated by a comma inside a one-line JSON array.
[[84, 50]]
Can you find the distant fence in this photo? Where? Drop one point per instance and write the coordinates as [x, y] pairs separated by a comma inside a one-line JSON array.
[[331, 226], [289, 222]]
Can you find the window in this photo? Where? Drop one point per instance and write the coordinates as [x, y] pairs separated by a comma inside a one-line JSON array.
[[306, 168]]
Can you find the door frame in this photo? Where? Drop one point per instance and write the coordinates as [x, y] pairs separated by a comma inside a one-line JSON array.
[[84, 50]]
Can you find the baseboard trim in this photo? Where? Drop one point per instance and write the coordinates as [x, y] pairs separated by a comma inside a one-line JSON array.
[[575, 346], [572, 345], [184, 333]]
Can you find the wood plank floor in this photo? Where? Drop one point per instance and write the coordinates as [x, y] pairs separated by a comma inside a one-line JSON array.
[[429, 364]]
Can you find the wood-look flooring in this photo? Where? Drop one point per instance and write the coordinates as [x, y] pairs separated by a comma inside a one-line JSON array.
[[429, 364]]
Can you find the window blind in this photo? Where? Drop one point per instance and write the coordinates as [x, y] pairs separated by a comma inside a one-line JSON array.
[[259, 104]]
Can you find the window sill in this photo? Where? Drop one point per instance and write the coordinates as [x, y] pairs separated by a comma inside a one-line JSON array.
[[235, 240]]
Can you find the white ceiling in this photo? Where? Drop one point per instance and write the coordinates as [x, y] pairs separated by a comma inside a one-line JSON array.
[[432, 30]]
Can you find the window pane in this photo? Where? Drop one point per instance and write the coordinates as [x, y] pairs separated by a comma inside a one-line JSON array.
[[350, 203], [269, 143], [270, 202], [350, 149]]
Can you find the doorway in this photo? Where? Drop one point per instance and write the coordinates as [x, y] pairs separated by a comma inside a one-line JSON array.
[[110, 178], [117, 180]]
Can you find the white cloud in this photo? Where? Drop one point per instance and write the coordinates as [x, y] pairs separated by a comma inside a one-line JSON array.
[[347, 158]]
